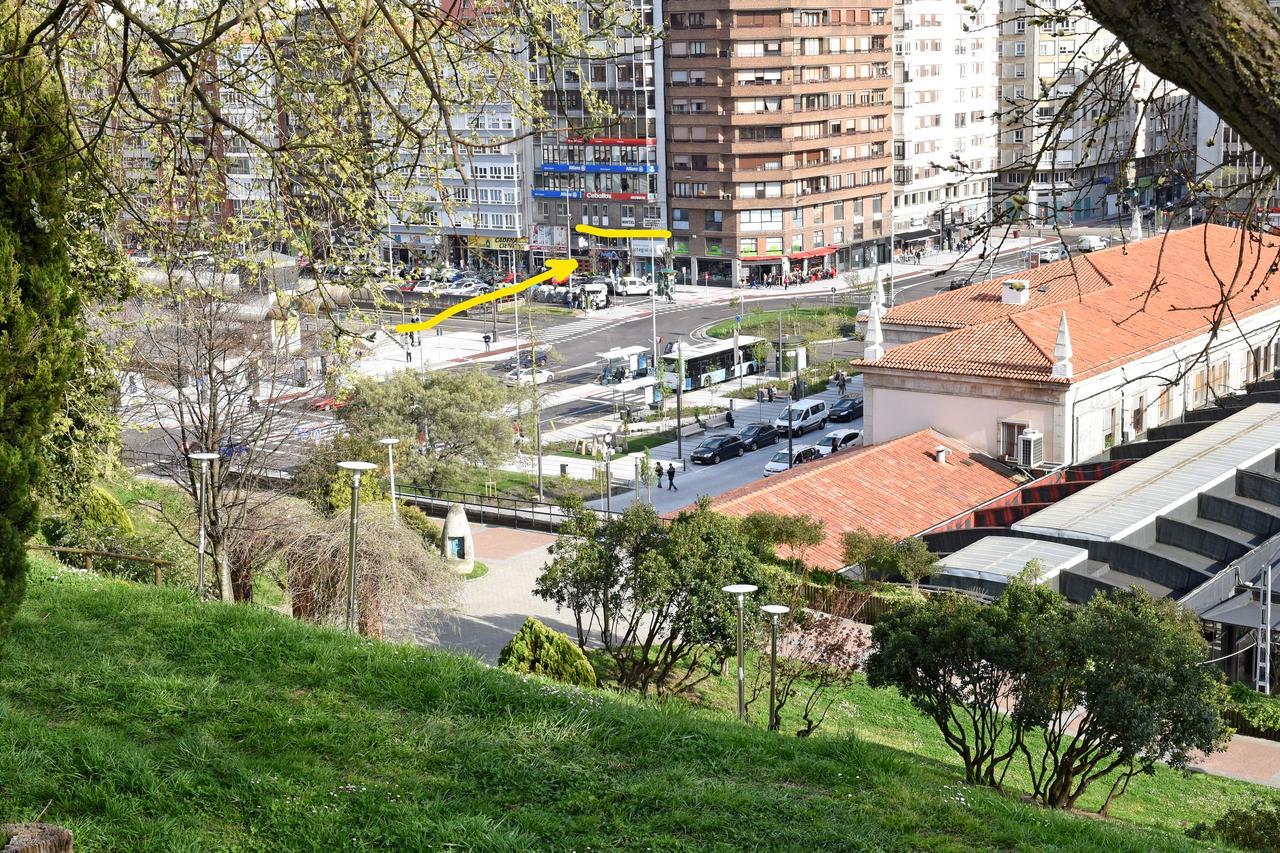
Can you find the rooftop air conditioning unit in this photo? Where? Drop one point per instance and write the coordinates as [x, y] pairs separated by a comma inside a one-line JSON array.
[[1030, 449]]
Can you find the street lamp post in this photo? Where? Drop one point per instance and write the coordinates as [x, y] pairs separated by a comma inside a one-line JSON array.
[[356, 469], [391, 469], [201, 490], [739, 591], [774, 611], [833, 322]]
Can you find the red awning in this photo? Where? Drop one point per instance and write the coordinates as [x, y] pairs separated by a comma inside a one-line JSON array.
[[812, 253]]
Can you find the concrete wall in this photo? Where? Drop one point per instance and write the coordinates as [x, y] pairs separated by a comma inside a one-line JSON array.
[[965, 409]]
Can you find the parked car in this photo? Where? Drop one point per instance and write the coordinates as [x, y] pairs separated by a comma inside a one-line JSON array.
[[782, 460], [758, 435], [630, 285], [847, 408], [839, 439], [527, 358], [528, 376], [1091, 243], [1045, 254], [718, 447], [802, 416]]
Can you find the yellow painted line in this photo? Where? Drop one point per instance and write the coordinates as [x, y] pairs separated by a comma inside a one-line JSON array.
[[625, 233], [556, 268]]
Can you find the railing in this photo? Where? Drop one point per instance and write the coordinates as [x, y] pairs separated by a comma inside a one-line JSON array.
[[87, 555], [866, 606], [488, 509]]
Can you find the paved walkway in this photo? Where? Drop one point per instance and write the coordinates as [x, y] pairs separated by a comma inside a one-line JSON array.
[[1248, 759], [492, 608]]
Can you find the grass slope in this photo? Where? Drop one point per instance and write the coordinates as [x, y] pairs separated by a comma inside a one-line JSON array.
[[145, 721]]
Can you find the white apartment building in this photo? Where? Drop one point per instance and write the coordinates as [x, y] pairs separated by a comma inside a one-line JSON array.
[[472, 215], [946, 74], [1040, 158]]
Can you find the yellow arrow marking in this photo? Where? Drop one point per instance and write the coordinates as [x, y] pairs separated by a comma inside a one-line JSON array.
[[661, 233], [556, 268]]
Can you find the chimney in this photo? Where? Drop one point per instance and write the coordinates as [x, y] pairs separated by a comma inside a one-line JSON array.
[[940, 453], [1015, 291], [1062, 350]]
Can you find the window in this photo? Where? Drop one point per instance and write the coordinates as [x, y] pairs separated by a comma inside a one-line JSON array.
[[818, 240], [837, 235], [697, 19], [1199, 387], [679, 217], [1009, 433], [713, 220], [760, 220], [1139, 415], [747, 247], [1165, 406]]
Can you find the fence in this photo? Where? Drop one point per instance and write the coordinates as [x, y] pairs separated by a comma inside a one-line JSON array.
[[87, 555], [869, 606], [488, 509]]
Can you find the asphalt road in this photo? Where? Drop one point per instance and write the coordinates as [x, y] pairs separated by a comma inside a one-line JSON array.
[[713, 480]]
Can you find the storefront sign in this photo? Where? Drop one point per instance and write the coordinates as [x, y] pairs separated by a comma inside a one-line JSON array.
[[601, 168], [578, 194], [505, 243], [612, 140]]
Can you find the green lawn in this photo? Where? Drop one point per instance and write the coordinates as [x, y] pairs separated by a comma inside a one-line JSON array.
[[145, 721], [816, 323], [1166, 802]]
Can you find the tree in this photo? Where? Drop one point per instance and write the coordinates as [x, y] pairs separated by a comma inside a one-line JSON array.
[[1081, 694], [767, 530], [538, 650], [650, 592], [818, 664], [1117, 687], [883, 557], [447, 421], [955, 661], [40, 320]]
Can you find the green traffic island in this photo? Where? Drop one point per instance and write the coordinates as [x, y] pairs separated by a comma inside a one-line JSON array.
[[478, 570], [817, 322]]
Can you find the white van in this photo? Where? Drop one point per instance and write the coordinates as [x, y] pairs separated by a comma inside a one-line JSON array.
[[802, 416], [1091, 243], [630, 285]]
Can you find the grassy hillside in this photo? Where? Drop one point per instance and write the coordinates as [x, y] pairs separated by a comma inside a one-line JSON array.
[[144, 721]]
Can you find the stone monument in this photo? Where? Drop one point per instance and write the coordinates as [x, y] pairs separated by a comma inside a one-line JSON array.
[[455, 540]]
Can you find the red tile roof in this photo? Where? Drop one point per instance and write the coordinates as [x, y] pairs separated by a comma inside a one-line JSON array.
[[981, 302], [896, 489], [1156, 292]]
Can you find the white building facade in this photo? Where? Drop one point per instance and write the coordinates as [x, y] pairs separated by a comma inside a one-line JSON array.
[[946, 88]]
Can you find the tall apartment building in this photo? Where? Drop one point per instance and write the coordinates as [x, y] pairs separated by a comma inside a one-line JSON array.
[[609, 177], [475, 215], [779, 129], [1040, 66], [946, 73]]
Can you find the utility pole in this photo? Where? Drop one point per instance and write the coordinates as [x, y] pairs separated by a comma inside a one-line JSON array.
[[679, 399], [537, 417]]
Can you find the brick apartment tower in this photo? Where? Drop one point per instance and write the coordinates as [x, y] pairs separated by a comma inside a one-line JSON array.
[[779, 132]]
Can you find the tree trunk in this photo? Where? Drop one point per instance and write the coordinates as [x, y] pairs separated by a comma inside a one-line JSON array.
[[224, 575], [1225, 52]]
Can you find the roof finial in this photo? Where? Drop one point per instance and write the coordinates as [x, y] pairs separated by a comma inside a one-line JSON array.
[[1062, 350], [1135, 233], [877, 289], [873, 349]]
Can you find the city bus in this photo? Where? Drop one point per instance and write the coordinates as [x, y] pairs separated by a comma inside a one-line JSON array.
[[710, 363]]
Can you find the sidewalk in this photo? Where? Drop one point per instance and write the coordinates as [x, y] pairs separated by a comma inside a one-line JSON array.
[[1248, 759]]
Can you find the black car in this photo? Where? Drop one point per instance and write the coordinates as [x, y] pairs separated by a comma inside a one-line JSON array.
[[957, 283], [718, 447], [758, 435], [846, 408]]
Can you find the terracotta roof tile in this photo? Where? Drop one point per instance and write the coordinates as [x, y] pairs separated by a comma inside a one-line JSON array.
[[896, 488], [1162, 290], [981, 302]]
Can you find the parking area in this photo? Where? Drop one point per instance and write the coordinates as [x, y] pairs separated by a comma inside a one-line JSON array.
[[712, 480]]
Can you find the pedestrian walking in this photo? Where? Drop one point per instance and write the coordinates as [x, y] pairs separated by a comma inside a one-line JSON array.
[[408, 356], [671, 477], [770, 393], [657, 469]]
